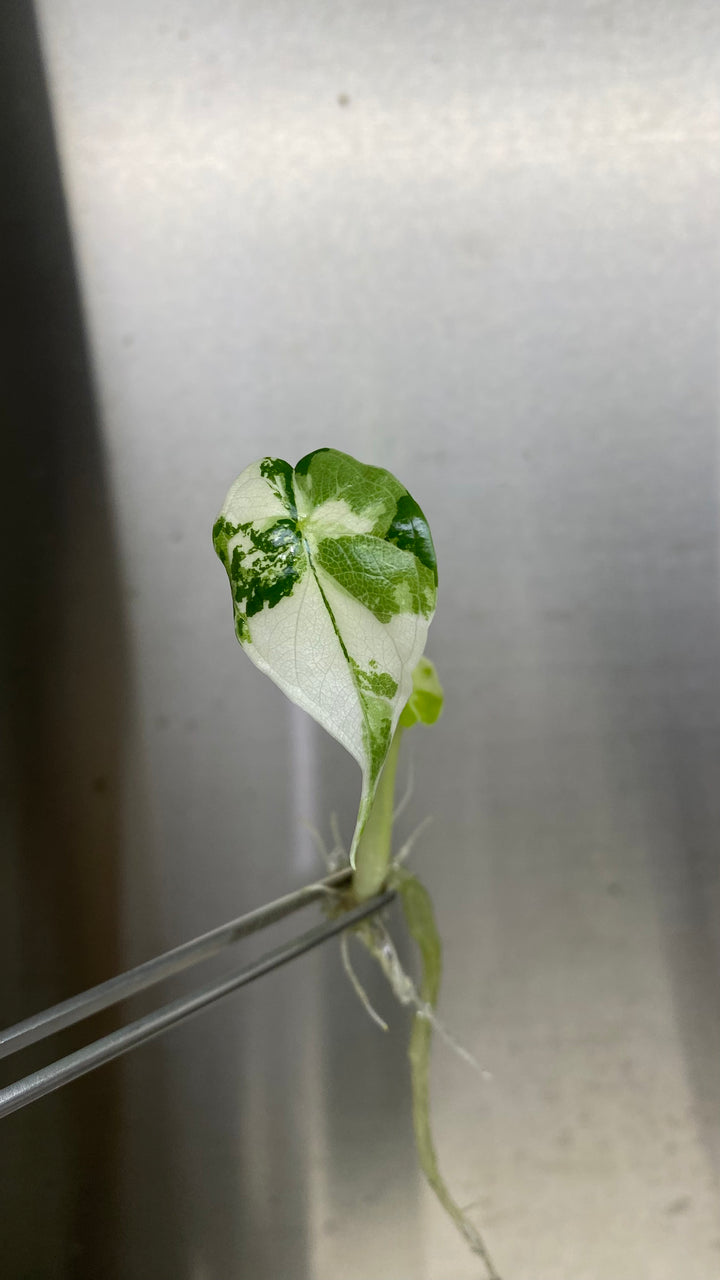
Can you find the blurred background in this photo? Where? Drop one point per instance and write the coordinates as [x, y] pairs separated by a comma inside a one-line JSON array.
[[476, 243]]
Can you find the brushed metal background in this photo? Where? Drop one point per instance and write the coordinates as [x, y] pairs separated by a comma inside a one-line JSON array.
[[478, 244]]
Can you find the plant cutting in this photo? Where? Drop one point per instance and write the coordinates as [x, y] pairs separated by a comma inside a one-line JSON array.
[[333, 577]]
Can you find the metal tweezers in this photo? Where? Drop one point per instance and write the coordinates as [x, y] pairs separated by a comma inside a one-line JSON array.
[[82, 1006]]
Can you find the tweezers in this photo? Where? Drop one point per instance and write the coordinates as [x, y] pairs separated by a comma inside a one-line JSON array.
[[66, 1014]]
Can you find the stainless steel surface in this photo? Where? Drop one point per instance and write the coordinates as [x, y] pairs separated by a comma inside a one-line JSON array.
[[476, 243], [151, 972], [99, 1052]]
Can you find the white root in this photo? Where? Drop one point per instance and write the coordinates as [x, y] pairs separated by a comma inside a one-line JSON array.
[[381, 946], [357, 986], [338, 855], [318, 841], [406, 797], [407, 848]]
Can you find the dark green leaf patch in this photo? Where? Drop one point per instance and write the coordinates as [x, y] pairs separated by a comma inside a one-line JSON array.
[[327, 474], [381, 576], [267, 571], [410, 531], [279, 476]]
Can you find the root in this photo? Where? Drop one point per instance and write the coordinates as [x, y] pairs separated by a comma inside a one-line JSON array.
[[406, 797], [419, 1054], [420, 919], [381, 946], [406, 849], [338, 854], [419, 916], [357, 986], [317, 839]]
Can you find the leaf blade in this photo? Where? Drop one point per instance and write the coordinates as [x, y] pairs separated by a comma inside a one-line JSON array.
[[333, 577]]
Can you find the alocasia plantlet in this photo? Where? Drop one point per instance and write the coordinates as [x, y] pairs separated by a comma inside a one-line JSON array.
[[334, 582]]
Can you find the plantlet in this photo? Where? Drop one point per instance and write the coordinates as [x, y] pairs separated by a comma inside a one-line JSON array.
[[334, 582]]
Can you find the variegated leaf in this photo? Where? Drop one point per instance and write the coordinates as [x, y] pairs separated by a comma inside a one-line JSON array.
[[333, 577]]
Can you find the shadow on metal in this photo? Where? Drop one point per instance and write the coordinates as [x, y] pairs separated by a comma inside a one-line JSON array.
[[64, 667]]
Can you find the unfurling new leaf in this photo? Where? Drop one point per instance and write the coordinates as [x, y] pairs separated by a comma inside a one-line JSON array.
[[426, 700], [334, 579]]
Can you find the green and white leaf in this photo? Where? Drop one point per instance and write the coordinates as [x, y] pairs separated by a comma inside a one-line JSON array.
[[334, 580]]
